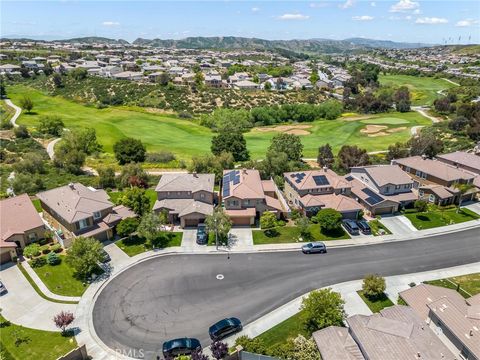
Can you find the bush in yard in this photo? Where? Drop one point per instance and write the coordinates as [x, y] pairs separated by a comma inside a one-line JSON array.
[[127, 227], [21, 132], [63, 320], [303, 223], [136, 199], [26, 103], [373, 286], [198, 355], [53, 259], [45, 249], [322, 308], [329, 219], [219, 349], [149, 227], [420, 205], [56, 248], [84, 255], [129, 150], [38, 262], [31, 250], [268, 220], [251, 345]]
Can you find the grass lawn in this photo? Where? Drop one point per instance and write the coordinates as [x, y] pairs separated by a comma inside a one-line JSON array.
[[376, 305], [469, 284], [158, 130], [376, 226], [422, 89], [37, 205], [436, 218], [135, 245], [59, 279], [291, 234], [152, 195], [289, 328], [34, 345]]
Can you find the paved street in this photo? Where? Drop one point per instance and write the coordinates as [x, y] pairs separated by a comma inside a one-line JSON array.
[[181, 295]]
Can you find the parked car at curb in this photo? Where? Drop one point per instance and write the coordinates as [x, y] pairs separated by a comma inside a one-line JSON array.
[[224, 328], [202, 236], [314, 248], [351, 227], [182, 346], [105, 257], [2, 288], [364, 227]]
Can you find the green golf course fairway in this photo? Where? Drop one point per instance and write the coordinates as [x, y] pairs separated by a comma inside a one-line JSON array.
[[422, 89], [186, 138]]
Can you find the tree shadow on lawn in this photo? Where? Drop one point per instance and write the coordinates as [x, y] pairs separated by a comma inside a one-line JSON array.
[[335, 233], [422, 217], [271, 233]]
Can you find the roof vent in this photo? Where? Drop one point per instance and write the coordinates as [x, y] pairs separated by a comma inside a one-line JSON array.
[[424, 157], [71, 186], [325, 168], [471, 332]]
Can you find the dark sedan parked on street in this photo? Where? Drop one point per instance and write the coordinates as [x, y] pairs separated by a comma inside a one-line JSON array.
[[183, 346], [224, 328]]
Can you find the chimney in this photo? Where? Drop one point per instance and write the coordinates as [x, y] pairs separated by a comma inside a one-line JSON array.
[[418, 355], [471, 332], [424, 157], [71, 186], [325, 168]]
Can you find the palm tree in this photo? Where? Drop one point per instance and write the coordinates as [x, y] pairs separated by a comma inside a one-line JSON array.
[[463, 189]]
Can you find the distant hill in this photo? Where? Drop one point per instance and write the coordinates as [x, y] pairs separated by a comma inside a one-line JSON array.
[[95, 40], [305, 46]]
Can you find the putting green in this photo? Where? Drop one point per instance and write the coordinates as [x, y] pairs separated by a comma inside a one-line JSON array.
[[186, 138]]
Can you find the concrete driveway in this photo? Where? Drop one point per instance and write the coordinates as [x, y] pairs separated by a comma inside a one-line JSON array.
[[189, 240], [116, 254], [23, 306], [398, 225], [240, 237]]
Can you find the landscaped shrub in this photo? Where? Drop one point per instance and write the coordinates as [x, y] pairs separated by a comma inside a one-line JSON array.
[[53, 259], [420, 205], [38, 262], [45, 249], [56, 248], [31, 250]]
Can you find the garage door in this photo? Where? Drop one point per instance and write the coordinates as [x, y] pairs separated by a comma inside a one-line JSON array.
[[387, 210], [5, 257], [191, 222], [240, 220]]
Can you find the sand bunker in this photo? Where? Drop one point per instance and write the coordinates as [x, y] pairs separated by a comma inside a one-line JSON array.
[[380, 130], [394, 130], [288, 129]]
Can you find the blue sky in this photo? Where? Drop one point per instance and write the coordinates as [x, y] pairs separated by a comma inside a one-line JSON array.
[[401, 20]]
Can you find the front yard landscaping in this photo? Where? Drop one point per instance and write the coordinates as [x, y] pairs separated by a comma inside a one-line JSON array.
[[135, 245], [289, 328], [291, 234], [59, 279], [378, 228], [437, 217], [151, 194], [21, 343], [376, 304], [467, 285]]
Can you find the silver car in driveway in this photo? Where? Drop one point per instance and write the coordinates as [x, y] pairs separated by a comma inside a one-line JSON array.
[[314, 247]]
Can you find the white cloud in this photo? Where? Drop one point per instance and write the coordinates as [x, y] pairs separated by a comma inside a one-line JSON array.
[[404, 5], [293, 17], [417, 11], [431, 21], [363, 18], [110, 23], [255, 9], [466, 23], [347, 4], [372, 4], [319, 4]]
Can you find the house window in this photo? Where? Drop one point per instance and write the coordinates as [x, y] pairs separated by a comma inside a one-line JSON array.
[[431, 198], [387, 189], [97, 215], [420, 193], [82, 224], [407, 168], [418, 173], [32, 236], [202, 196]]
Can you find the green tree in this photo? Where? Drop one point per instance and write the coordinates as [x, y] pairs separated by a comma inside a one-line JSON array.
[[397, 151], [462, 189], [219, 224], [129, 150], [69, 158], [268, 221], [420, 205], [212, 164], [79, 73], [329, 219], [352, 155], [106, 177], [132, 175], [136, 199], [289, 144], [425, 143], [325, 156], [84, 140], [51, 125], [84, 255], [57, 80], [149, 227], [322, 308], [127, 227], [21, 132], [303, 224], [267, 86], [233, 143], [32, 163], [27, 183], [228, 120], [373, 286], [26, 103]]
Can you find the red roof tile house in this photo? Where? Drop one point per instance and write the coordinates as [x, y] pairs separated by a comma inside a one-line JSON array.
[[188, 198], [313, 190], [246, 196], [436, 180], [381, 189], [20, 225], [76, 210]]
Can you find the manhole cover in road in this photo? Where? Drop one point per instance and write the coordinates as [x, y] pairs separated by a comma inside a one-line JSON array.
[[220, 277]]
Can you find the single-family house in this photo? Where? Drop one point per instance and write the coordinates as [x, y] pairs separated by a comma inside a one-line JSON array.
[[129, 75], [213, 80], [311, 191], [77, 210], [246, 196], [188, 198], [381, 189], [447, 313], [436, 181], [245, 85], [110, 70], [9, 68], [463, 160], [20, 225]]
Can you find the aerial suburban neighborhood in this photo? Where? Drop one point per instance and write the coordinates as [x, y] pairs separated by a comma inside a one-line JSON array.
[[240, 180]]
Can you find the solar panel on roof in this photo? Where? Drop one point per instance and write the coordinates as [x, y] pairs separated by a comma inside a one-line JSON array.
[[236, 180], [373, 198], [320, 180], [349, 178]]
